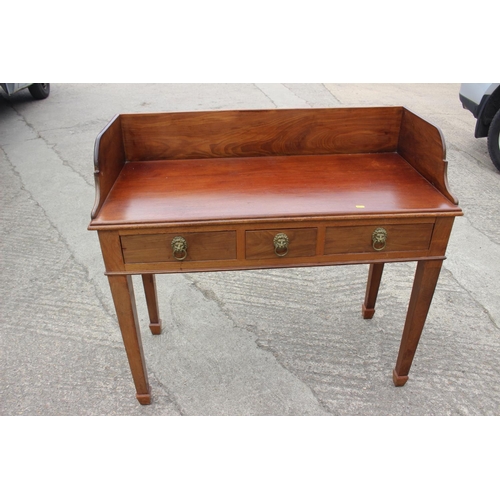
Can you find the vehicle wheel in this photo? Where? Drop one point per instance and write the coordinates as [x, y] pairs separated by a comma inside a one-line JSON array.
[[494, 140], [39, 90]]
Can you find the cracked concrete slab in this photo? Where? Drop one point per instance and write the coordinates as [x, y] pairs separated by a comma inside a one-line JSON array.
[[203, 351], [275, 342], [60, 351], [281, 96]]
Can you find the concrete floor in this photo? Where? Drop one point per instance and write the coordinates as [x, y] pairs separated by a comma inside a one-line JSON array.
[[278, 342]]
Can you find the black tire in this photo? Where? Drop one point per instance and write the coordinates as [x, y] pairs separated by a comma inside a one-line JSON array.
[[494, 140], [39, 90]]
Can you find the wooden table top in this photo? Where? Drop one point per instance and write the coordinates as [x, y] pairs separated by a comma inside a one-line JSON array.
[[218, 189]]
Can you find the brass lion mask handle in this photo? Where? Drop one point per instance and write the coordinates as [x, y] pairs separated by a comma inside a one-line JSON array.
[[281, 244], [379, 239], [179, 248]]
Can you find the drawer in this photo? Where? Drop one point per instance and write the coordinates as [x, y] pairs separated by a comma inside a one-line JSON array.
[[359, 239], [267, 244], [211, 245]]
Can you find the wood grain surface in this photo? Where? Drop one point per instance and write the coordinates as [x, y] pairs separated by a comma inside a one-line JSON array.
[[247, 133], [423, 146], [202, 246], [228, 181], [302, 243], [280, 186], [109, 157], [358, 239]]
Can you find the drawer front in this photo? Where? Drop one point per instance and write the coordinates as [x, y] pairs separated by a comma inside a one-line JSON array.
[[212, 245], [360, 239], [262, 244]]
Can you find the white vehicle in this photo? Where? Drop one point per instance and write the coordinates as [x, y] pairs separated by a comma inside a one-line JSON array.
[[483, 101], [37, 90]]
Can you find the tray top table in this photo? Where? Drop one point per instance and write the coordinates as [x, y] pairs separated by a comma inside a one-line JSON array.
[[230, 190]]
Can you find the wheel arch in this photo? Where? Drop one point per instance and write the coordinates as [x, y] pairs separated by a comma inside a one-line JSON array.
[[488, 107]]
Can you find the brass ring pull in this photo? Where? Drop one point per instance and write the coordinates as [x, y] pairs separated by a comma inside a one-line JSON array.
[[281, 244], [379, 239], [179, 248]]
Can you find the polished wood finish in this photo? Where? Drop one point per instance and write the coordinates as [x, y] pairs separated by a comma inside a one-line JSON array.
[[424, 284], [228, 182], [259, 244], [374, 278], [201, 246], [357, 239], [177, 191], [149, 283], [122, 290], [257, 133], [109, 157], [111, 251], [423, 147]]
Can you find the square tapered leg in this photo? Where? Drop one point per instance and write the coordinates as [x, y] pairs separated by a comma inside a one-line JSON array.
[[122, 291]]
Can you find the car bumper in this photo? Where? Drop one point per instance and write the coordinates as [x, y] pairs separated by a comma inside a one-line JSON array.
[[472, 106]]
